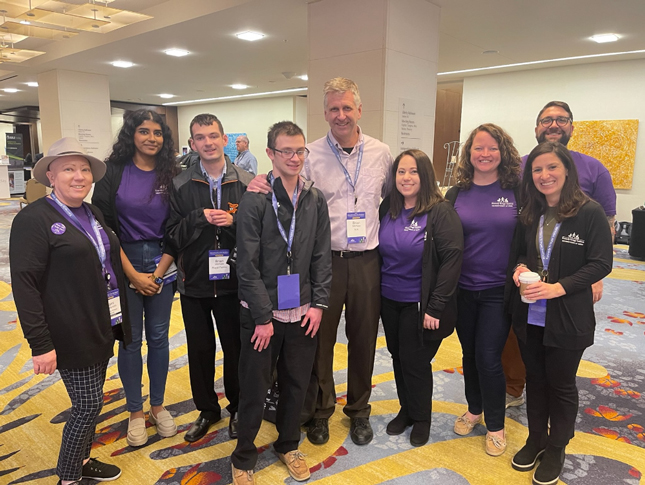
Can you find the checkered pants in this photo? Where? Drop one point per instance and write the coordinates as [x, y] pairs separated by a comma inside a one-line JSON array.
[[85, 389]]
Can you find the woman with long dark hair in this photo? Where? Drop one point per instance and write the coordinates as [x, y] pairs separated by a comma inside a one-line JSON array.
[[564, 237], [134, 198], [421, 245], [484, 197]]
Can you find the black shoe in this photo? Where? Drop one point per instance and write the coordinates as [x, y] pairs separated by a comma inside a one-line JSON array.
[[526, 459], [549, 469], [199, 428], [361, 431], [398, 424], [318, 431], [99, 471], [420, 433], [232, 426]]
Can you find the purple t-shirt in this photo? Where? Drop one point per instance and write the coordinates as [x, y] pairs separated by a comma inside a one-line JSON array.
[[141, 217], [488, 215], [594, 179], [401, 246]]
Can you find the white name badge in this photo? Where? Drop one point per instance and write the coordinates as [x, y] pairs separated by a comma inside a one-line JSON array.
[[356, 228], [218, 267], [114, 304]]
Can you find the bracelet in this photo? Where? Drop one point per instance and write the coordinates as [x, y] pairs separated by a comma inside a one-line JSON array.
[[518, 265]]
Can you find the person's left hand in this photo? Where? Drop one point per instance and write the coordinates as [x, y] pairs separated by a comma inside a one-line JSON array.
[[430, 323], [544, 291], [218, 217], [45, 363], [313, 316], [596, 290]]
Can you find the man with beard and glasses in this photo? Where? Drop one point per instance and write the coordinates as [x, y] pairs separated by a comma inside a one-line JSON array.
[[555, 123]]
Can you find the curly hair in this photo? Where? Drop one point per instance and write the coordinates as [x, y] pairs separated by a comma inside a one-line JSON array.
[[534, 204], [509, 168], [123, 150]]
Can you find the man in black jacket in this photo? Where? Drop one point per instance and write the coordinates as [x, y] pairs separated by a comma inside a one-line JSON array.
[[284, 270], [201, 228]]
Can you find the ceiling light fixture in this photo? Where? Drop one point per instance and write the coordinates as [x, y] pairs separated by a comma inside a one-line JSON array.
[[604, 38], [250, 36], [25, 22], [237, 96], [32, 84], [10, 90], [304, 77], [123, 64], [176, 52], [239, 86], [544, 61], [166, 96]]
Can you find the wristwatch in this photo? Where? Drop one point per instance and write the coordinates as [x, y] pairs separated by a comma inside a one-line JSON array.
[[156, 279]]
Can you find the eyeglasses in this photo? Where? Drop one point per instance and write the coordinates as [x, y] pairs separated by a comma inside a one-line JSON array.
[[288, 154], [561, 121]]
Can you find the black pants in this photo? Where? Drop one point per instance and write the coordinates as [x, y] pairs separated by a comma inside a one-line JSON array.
[[411, 358], [200, 335], [551, 390], [294, 352]]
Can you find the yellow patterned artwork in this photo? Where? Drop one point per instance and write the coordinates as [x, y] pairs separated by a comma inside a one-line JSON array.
[[613, 142]]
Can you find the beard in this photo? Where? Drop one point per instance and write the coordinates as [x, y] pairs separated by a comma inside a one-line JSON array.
[[564, 138]]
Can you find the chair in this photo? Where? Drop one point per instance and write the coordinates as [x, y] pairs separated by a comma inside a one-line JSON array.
[[34, 190]]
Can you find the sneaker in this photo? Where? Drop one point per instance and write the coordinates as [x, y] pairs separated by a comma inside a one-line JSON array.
[[137, 434], [514, 401], [99, 471], [495, 445], [464, 426], [549, 469], [165, 423], [242, 477], [318, 431], [398, 424], [526, 459], [296, 464]]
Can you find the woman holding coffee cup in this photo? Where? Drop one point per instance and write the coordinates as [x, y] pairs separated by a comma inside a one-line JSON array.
[[564, 242]]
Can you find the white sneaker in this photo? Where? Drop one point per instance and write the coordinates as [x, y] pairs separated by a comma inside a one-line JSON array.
[[514, 401]]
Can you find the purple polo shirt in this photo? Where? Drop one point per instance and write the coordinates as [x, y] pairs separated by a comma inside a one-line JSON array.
[[401, 247], [488, 215], [141, 217], [594, 179]]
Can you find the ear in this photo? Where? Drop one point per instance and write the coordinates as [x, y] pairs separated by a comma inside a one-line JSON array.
[[270, 154], [360, 111], [225, 138], [192, 144], [50, 177]]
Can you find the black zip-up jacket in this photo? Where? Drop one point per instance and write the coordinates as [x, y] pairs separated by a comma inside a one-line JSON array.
[[262, 252], [443, 249], [191, 236], [582, 254]]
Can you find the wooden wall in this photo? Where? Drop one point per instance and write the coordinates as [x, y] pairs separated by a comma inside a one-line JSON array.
[[448, 122]]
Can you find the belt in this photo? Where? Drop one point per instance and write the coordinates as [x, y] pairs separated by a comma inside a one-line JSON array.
[[350, 254]]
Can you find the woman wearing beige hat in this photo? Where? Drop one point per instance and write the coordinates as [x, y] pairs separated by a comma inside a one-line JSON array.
[[68, 287]]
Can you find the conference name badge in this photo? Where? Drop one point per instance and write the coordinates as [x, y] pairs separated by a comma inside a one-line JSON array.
[[218, 267], [356, 228], [114, 304], [171, 274], [288, 291]]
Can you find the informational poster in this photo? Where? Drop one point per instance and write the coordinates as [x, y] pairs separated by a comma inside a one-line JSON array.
[[16, 182], [13, 144], [87, 137], [231, 149], [410, 116]]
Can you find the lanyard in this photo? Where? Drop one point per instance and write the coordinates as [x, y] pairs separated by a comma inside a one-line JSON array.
[[546, 256], [98, 242], [214, 184], [358, 163], [292, 228]]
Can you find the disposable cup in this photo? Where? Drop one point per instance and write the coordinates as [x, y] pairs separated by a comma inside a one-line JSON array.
[[527, 278]]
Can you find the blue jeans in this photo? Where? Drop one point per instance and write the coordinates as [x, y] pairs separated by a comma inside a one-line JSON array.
[[482, 327], [157, 322]]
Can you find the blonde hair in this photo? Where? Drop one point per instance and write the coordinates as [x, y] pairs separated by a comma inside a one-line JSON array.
[[340, 85]]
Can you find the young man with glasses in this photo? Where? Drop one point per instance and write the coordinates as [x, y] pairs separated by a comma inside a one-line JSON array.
[[284, 273]]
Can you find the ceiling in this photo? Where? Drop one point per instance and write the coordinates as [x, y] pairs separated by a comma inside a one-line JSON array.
[[518, 30]]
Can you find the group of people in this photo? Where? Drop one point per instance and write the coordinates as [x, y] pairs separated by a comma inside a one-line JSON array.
[[275, 258]]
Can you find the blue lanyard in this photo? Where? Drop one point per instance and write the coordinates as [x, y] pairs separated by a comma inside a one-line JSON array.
[[292, 228], [214, 184], [546, 256], [98, 242], [358, 163]]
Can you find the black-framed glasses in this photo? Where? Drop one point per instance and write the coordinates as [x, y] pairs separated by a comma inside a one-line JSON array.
[[561, 121], [288, 154]]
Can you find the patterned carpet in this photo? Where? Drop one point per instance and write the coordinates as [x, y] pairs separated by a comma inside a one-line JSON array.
[[608, 449]]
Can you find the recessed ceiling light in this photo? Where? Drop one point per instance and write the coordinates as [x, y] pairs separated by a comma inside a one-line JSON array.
[[490, 52], [177, 52], [239, 86], [10, 90], [25, 22], [304, 77], [166, 96], [236, 96], [603, 38], [251, 36], [32, 84], [123, 64]]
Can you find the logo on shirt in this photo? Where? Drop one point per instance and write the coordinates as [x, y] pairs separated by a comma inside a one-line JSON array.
[[58, 228], [414, 226], [502, 202], [574, 239], [232, 208], [161, 190]]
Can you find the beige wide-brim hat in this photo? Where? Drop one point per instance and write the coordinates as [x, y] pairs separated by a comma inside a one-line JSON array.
[[66, 147]]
